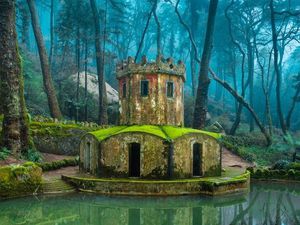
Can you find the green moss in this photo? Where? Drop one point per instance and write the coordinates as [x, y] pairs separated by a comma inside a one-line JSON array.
[[165, 132], [48, 166], [175, 132], [19, 180], [214, 180], [56, 129], [105, 133]]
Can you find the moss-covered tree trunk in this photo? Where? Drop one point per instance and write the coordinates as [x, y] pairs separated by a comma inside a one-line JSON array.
[[47, 79], [15, 135]]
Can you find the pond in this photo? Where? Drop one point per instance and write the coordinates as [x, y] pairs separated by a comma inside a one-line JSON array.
[[267, 203]]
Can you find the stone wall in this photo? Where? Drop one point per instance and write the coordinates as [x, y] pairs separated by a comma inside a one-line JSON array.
[[183, 155], [67, 144], [156, 108], [195, 186], [115, 155]]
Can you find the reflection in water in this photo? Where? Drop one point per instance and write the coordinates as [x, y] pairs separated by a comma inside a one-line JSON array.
[[265, 204]]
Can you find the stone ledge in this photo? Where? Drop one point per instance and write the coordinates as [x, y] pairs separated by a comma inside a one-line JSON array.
[[198, 186]]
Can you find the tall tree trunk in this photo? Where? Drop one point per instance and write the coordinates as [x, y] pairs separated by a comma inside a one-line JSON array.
[[295, 99], [251, 80], [193, 70], [15, 134], [51, 33], [86, 80], [25, 22], [277, 70], [99, 61], [158, 38], [78, 71], [204, 81], [239, 111], [47, 79]]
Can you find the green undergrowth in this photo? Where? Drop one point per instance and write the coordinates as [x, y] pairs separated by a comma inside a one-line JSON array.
[[282, 170], [253, 148], [56, 129], [4, 153], [48, 166], [165, 132], [19, 180]]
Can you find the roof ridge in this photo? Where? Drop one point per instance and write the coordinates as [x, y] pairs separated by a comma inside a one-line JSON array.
[[161, 127]]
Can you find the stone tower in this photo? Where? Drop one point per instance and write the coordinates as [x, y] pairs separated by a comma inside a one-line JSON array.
[[151, 93]]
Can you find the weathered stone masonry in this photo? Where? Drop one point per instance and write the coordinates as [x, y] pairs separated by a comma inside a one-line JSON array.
[[157, 107], [151, 142]]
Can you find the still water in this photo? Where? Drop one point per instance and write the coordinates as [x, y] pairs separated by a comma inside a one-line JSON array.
[[265, 204]]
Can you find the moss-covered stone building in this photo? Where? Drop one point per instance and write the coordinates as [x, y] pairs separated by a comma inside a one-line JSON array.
[[151, 141]]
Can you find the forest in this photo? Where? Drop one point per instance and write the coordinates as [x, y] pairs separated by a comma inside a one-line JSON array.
[[241, 61]]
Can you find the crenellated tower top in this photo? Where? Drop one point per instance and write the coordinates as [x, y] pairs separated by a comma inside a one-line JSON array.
[[151, 92]]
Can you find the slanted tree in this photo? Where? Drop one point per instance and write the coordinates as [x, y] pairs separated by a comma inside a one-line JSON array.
[[100, 67], [203, 80], [47, 78], [295, 99], [15, 134]]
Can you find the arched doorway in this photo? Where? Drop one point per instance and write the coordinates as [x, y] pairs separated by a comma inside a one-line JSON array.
[[197, 159], [87, 157], [134, 159]]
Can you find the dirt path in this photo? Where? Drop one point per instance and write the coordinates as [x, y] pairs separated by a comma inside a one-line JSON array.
[[70, 171], [231, 160]]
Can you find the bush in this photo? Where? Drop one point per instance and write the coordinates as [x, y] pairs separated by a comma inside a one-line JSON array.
[[32, 155], [281, 165], [291, 173], [58, 164], [294, 165], [19, 180], [4, 153]]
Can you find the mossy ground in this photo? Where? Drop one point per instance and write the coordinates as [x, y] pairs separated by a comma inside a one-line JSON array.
[[18, 180]]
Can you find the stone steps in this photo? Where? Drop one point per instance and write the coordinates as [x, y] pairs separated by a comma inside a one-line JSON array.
[[56, 186]]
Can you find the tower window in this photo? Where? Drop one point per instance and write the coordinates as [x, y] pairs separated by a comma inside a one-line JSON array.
[[144, 88], [170, 89], [124, 90]]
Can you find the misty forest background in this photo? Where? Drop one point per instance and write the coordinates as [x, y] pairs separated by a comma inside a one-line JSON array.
[[244, 53]]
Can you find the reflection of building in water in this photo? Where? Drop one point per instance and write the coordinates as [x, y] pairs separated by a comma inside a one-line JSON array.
[[260, 206], [151, 141]]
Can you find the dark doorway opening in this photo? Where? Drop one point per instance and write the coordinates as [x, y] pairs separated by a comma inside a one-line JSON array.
[[87, 156], [134, 159], [197, 154]]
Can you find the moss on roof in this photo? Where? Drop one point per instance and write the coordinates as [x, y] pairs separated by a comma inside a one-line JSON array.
[[165, 132], [176, 132], [107, 132], [149, 129]]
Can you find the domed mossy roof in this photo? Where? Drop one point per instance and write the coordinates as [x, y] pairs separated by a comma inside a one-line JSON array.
[[165, 132]]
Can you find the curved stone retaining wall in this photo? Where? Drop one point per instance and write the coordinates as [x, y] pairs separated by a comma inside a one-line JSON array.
[[204, 186]]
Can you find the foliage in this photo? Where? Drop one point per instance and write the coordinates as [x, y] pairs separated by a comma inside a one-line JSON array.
[[48, 166], [237, 149], [32, 155], [18, 180], [281, 174], [4, 153], [281, 165]]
